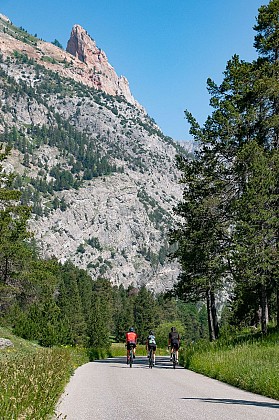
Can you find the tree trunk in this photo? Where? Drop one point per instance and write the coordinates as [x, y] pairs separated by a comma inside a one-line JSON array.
[[211, 315], [264, 320], [214, 314], [277, 304]]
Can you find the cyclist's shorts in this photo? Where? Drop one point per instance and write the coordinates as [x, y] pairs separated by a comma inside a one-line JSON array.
[[175, 344], [152, 346], [131, 344]]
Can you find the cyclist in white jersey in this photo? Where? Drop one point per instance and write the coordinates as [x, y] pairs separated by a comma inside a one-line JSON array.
[[151, 343]]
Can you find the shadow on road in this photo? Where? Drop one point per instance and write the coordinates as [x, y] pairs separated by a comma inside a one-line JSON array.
[[140, 362], [237, 402]]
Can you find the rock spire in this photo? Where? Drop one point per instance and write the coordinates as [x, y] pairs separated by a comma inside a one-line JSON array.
[[101, 73]]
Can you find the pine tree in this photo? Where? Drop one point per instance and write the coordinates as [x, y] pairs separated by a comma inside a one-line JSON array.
[[123, 312], [144, 313], [13, 230], [256, 224], [201, 235], [70, 304], [230, 202], [100, 322]]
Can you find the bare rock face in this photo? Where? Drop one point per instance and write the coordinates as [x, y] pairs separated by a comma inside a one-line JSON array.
[[102, 74]]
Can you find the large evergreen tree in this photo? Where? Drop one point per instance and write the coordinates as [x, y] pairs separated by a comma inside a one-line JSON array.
[[256, 223], [71, 305], [144, 313], [229, 229], [13, 230], [101, 322]]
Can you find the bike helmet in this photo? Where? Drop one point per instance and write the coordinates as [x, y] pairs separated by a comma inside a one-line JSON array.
[[131, 329], [173, 329], [151, 332]]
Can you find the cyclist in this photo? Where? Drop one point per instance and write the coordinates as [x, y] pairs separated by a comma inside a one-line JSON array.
[[174, 342], [131, 341], [151, 344]]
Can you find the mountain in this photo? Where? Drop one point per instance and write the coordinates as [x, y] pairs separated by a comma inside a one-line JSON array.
[[98, 171]]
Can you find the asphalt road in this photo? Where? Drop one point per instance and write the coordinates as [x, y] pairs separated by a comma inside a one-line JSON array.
[[111, 390]]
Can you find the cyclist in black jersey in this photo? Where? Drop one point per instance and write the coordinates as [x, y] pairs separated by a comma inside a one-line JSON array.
[[174, 342]]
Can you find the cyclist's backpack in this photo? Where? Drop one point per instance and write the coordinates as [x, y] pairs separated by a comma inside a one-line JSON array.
[[151, 339]]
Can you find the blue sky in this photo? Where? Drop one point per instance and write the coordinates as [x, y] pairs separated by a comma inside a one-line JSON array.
[[166, 49]]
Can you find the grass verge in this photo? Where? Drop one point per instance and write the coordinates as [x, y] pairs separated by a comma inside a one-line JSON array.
[[32, 378], [251, 364]]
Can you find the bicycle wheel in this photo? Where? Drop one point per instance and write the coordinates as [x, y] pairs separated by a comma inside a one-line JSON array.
[[150, 358], [174, 360], [131, 356]]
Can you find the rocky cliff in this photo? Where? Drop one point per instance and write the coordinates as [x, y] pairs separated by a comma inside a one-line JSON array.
[[96, 168], [99, 71]]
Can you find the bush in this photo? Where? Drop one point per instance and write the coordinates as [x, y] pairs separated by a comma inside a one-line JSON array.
[[99, 353]]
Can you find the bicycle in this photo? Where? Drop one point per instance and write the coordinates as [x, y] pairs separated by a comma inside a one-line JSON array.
[[174, 358], [150, 358], [130, 357], [174, 361]]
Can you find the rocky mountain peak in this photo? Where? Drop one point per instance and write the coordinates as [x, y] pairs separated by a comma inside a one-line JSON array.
[[102, 74], [82, 46]]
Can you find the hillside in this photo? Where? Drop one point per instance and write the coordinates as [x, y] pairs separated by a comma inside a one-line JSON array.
[[98, 171]]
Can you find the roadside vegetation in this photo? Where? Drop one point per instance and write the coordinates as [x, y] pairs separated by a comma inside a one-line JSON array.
[[249, 361], [32, 377]]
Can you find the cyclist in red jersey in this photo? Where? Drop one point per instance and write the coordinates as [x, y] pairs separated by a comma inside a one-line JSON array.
[[131, 341]]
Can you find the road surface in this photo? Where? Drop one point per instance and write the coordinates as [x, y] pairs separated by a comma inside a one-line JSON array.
[[111, 390]]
